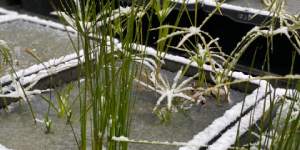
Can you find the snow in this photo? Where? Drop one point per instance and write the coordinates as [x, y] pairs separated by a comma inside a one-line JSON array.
[[236, 8], [121, 138], [184, 61], [229, 116], [227, 6], [4, 148], [228, 138], [4, 11], [68, 61], [201, 138], [188, 1], [11, 16]]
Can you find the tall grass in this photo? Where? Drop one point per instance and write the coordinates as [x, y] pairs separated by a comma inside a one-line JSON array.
[[106, 68], [108, 71]]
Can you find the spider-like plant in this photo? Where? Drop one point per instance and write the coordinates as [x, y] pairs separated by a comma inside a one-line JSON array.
[[170, 92], [203, 54]]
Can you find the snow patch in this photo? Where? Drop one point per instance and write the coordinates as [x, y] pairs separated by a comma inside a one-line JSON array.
[[4, 148], [4, 11], [15, 16]]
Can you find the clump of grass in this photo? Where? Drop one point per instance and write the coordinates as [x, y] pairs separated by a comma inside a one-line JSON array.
[[108, 69], [170, 92], [63, 99], [48, 123]]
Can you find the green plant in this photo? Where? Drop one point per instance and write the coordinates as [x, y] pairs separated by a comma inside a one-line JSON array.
[[48, 123], [203, 53], [106, 68], [109, 69], [170, 92], [62, 98], [8, 61]]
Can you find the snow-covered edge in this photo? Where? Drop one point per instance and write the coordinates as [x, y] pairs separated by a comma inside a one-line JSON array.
[[229, 116], [2, 147], [229, 137], [48, 23], [229, 113], [12, 16], [39, 67], [182, 60], [237, 8], [228, 6], [69, 62], [5, 12]]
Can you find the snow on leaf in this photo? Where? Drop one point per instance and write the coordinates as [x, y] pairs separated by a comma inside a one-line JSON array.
[[161, 87], [19, 93]]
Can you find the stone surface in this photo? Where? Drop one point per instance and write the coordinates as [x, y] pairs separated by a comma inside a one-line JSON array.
[[46, 42]]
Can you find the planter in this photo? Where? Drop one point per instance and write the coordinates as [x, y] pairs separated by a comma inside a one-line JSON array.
[[10, 2], [42, 7], [230, 28], [214, 124]]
